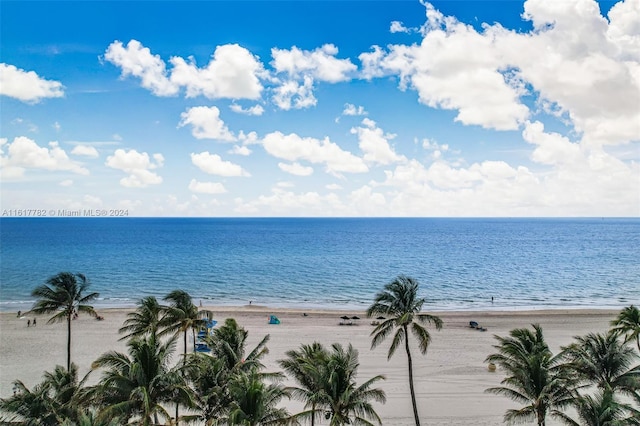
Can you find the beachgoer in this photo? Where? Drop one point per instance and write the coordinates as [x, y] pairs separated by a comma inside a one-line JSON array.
[[250, 301], [34, 322], [28, 323], [19, 314]]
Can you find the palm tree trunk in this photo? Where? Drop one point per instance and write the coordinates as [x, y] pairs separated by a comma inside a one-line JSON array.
[[68, 342], [413, 392], [313, 414]]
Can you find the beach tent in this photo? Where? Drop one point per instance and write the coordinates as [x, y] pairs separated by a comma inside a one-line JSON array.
[[274, 320]]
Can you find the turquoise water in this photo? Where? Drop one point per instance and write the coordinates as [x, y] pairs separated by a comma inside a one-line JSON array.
[[336, 263]]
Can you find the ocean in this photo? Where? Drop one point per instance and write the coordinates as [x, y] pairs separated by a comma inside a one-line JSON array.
[[337, 263]]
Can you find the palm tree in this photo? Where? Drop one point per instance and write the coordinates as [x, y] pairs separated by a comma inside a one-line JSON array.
[[628, 323], [228, 343], [604, 361], [211, 375], [144, 320], [140, 384], [344, 400], [254, 402], [56, 399], [64, 294], [181, 316], [306, 367], [399, 302], [533, 376], [602, 409]]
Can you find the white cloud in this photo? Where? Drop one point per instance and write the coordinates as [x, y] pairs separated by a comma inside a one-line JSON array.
[[321, 64], [85, 150], [333, 187], [137, 60], [27, 86], [66, 182], [138, 165], [240, 150], [214, 165], [292, 94], [56, 126], [206, 187], [375, 144], [24, 153], [281, 202], [232, 73], [206, 123], [296, 169], [254, 110], [398, 27], [294, 148], [350, 109]]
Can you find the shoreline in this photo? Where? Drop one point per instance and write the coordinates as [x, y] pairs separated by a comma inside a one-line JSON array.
[[450, 380]]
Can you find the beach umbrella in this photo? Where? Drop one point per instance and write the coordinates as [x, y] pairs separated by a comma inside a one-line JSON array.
[[380, 318], [344, 317], [355, 317]]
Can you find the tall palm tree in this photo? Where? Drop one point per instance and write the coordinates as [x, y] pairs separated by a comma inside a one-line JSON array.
[[602, 409], [399, 302], [347, 402], [181, 316], [306, 367], [605, 361], [144, 320], [254, 402], [65, 295], [139, 384], [533, 376], [628, 323]]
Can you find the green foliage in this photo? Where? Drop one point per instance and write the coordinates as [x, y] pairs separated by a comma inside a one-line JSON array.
[[533, 376], [628, 324], [57, 399], [327, 385]]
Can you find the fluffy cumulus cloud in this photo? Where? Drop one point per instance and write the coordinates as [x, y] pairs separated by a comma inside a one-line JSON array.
[[321, 64], [136, 60], [85, 151], [374, 143], [398, 27], [576, 61], [351, 109], [27, 86], [138, 166], [254, 110], [213, 164], [24, 153], [206, 123], [232, 72], [206, 187], [294, 148], [296, 169], [301, 68]]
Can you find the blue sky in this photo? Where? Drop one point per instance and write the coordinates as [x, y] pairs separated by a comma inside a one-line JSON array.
[[325, 108]]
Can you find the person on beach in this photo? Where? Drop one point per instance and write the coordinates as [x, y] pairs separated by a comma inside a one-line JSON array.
[[28, 323], [19, 314], [34, 322]]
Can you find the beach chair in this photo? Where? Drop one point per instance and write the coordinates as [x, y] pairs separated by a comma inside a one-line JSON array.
[[473, 324], [274, 320]]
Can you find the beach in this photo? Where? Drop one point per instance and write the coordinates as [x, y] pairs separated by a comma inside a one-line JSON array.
[[450, 380]]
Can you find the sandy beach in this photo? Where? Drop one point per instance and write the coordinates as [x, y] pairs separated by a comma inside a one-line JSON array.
[[450, 380]]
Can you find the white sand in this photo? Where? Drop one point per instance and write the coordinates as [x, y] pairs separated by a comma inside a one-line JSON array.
[[450, 379]]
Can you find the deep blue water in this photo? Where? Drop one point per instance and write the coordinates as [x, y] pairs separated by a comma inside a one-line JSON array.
[[336, 263]]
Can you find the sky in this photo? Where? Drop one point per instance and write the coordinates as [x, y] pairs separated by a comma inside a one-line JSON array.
[[320, 108]]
